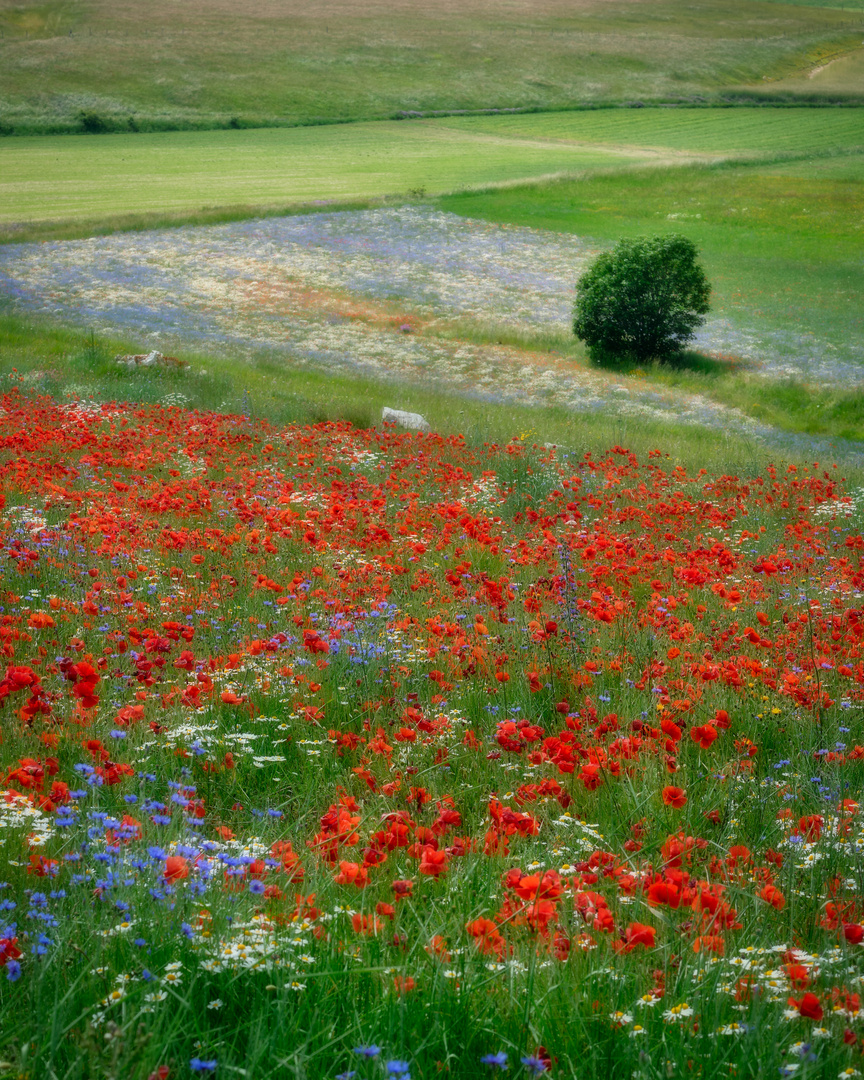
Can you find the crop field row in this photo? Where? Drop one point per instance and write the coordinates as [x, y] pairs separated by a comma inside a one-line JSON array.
[[714, 131]]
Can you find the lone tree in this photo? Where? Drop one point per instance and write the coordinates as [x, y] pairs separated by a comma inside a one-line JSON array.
[[642, 300]]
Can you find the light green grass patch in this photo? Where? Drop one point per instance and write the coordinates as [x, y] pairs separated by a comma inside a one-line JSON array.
[[716, 131], [93, 177], [840, 168], [49, 178]]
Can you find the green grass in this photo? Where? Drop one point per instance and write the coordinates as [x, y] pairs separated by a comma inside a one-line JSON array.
[[713, 131], [90, 177], [166, 177], [207, 63], [781, 249], [844, 167]]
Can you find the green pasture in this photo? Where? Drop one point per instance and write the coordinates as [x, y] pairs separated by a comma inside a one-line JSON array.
[[92, 177], [710, 131], [177, 175], [781, 245], [68, 66], [842, 167]]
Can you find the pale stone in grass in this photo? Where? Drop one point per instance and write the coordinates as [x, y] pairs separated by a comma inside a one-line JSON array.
[[151, 359], [411, 420]]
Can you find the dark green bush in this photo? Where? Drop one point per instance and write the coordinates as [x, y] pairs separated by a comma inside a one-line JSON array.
[[641, 301], [93, 123]]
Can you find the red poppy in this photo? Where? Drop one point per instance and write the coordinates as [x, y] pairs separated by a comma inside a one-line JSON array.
[[808, 1007], [176, 868], [674, 797]]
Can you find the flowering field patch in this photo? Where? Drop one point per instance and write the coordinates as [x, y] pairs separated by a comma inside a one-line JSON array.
[[379, 293], [335, 752]]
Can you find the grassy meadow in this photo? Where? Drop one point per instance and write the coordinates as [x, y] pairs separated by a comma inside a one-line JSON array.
[[182, 174], [528, 744], [93, 182], [772, 197], [69, 67]]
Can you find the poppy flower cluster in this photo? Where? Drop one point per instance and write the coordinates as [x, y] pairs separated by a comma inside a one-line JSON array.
[[326, 696]]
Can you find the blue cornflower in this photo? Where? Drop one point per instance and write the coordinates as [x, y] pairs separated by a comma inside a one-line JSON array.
[[498, 1060], [256, 887], [13, 970], [346, 1075], [197, 1065], [117, 734], [368, 1051], [398, 1068], [535, 1064]]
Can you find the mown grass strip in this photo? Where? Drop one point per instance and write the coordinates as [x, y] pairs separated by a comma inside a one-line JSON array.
[[49, 178], [719, 131], [56, 187]]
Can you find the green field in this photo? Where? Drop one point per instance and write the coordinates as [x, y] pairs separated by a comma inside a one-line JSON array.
[[49, 178], [781, 245], [712, 131], [162, 65], [772, 197], [181, 174]]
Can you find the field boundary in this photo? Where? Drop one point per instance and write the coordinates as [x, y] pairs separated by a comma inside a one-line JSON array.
[[745, 98]]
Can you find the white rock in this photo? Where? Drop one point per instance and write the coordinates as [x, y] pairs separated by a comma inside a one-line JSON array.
[[411, 420]]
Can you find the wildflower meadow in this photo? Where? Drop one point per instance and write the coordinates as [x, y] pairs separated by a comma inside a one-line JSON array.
[[332, 752], [407, 295]]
